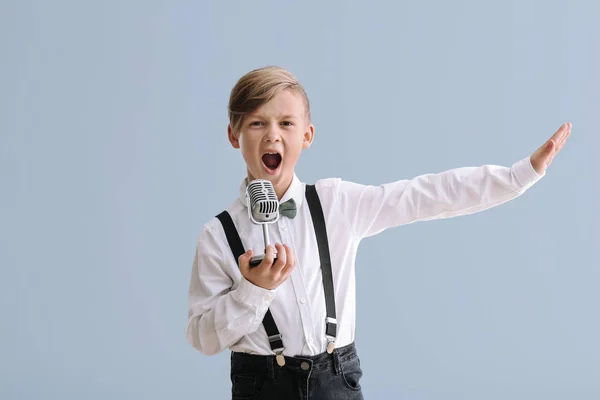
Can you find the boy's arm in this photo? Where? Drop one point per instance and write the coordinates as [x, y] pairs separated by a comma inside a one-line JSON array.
[[462, 191], [218, 316]]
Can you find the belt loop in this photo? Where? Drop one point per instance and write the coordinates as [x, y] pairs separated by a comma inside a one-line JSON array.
[[336, 362], [270, 367]]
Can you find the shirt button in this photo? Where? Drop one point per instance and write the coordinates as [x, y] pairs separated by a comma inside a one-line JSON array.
[[303, 300], [305, 366], [267, 298], [310, 340], [283, 228]]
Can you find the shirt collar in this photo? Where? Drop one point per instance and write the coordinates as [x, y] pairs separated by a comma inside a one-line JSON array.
[[295, 191]]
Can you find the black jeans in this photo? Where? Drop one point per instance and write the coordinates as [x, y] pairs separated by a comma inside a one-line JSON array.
[[321, 377]]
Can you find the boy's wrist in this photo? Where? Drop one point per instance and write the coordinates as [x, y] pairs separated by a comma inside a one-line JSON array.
[[525, 173]]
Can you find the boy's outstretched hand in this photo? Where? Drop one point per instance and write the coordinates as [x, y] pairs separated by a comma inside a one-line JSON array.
[[269, 274], [542, 158]]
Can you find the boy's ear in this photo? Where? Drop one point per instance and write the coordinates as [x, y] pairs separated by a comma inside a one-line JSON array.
[[309, 135], [233, 138]]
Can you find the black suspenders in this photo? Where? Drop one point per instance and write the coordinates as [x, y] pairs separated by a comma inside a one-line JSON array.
[[316, 212], [237, 248]]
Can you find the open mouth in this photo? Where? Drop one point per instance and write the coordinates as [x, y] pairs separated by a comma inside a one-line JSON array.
[[272, 161]]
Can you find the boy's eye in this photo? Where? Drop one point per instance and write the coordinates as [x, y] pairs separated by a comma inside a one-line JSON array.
[[255, 123], [287, 123]]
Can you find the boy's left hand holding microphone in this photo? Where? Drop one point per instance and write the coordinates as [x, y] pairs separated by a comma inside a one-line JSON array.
[[269, 274]]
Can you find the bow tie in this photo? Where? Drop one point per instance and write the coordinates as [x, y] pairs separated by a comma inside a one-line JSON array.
[[288, 208]]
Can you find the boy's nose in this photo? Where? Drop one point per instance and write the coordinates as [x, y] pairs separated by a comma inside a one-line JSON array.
[[272, 135]]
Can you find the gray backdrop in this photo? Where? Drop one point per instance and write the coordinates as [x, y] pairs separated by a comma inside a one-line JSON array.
[[114, 152]]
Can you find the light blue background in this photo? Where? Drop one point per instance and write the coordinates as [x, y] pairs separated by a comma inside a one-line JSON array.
[[114, 152]]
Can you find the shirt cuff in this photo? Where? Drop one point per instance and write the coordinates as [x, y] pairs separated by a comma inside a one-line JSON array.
[[525, 172], [253, 295]]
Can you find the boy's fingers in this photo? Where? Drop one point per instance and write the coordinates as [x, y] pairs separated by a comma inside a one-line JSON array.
[[563, 139], [244, 261], [291, 257], [549, 149], [281, 258], [291, 260], [543, 157], [564, 128], [565, 134], [269, 256]]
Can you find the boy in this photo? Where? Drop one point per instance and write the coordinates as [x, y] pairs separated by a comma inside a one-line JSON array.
[[289, 323]]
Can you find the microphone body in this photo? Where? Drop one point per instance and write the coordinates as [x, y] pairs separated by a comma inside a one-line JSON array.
[[263, 209]]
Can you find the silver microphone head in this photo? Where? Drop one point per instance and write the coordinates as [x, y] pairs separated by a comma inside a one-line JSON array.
[[263, 205]]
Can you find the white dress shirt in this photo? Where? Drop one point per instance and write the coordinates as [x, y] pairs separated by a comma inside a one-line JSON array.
[[226, 310]]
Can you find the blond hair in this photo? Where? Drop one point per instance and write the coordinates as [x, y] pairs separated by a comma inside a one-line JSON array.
[[258, 87]]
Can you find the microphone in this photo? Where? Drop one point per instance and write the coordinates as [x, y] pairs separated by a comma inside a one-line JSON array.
[[263, 209]]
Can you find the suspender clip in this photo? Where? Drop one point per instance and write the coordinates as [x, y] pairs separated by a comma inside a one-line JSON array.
[[275, 340], [331, 333], [280, 359], [330, 346]]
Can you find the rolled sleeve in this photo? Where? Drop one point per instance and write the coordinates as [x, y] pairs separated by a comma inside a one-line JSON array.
[[252, 295]]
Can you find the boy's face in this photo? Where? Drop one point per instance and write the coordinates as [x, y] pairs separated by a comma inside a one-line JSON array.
[[272, 138]]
